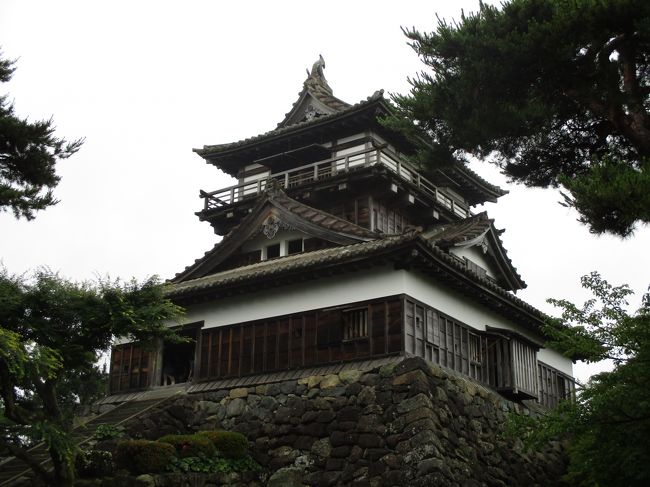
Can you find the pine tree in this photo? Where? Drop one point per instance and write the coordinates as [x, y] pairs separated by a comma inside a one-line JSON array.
[[29, 152], [556, 92]]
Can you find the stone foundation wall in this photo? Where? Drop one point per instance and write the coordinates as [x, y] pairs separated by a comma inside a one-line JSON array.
[[405, 424]]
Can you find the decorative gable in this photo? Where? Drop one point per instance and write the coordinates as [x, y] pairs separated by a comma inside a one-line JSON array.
[[476, 242], [276, 212]]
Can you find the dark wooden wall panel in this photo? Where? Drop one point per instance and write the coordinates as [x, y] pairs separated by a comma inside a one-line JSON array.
[[310, 338], [395, 331], [301, 339]]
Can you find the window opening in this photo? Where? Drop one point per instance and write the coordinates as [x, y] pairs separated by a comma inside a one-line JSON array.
[[178, 359], [355, 324], [273, 251], [474, 348], [294, 246]]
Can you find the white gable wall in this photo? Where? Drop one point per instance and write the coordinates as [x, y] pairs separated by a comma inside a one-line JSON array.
[[260, 241], [476, 255]]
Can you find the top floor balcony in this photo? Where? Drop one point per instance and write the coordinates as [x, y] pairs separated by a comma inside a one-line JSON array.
[[222, 199]]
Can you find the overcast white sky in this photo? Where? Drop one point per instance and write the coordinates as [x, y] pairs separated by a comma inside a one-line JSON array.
[[146, 81]]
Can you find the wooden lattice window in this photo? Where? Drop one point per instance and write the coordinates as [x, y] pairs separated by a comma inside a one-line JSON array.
[[554, 386], [513, 363], [475, 355], [130, 368], [355, 324]]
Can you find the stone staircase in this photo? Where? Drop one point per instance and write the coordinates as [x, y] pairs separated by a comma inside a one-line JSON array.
[[13, 469]]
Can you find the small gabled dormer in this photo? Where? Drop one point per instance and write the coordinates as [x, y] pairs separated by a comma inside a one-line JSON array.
[[474, 242]]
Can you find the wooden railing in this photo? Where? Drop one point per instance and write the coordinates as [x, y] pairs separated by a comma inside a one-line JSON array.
[[331, 167]]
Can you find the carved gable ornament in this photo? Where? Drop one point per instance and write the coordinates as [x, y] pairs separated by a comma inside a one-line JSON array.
[[271, 226], [478, 241], [484, 245], [311, 113]]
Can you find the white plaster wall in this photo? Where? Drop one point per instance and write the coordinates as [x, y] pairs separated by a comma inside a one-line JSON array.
[[123, 340], [555, 359], [251, 166], [255, 177], [304, 296]]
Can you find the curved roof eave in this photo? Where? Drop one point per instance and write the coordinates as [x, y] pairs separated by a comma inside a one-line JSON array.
[[376, 100]]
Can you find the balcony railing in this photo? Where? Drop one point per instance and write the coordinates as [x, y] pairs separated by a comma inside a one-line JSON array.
[[328, 168]]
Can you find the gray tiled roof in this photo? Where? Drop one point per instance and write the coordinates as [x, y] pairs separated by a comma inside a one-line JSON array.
[[464, 171], [291, 263], [316, 87], [215, 149], [322, 218], [462, 231]]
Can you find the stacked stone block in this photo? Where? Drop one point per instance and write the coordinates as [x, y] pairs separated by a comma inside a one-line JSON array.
[[404, 424]]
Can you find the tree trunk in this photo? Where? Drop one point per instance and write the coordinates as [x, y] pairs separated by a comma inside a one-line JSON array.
[[63, 469], [62, 460]]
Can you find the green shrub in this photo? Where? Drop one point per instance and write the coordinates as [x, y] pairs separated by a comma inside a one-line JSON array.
[[94, 463], [190, 445], [215, 464], [228, 443], [143, 456], [108, 432]]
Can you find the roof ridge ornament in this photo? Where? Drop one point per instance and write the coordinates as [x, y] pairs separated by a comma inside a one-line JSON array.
[[316, 77], [318, 68], [273, 188]]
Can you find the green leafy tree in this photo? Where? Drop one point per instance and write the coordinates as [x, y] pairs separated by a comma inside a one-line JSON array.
[[29, 152], [608, 425], [52, 332], [556, 92]]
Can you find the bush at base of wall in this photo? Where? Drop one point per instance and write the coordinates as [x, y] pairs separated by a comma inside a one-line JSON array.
[[229, 443], [143, 456], [190, 445]]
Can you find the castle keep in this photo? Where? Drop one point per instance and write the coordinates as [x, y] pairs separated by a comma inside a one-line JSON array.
[[336, 249]]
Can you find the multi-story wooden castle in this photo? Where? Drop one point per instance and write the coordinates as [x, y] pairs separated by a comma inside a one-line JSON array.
[[336, 249]]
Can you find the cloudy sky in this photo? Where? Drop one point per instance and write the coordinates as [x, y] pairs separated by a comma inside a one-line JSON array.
[[145, 82]]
